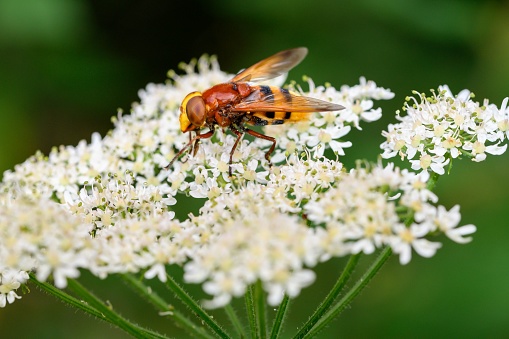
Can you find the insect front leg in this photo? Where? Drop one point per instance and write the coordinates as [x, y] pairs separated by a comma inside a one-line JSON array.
[[196, 145], [192, 142]]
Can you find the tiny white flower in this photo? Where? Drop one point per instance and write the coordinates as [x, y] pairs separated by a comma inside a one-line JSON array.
[[10, 281], [409, 238], [447, 222]]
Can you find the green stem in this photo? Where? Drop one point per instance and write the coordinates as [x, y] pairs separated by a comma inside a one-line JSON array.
[[350, 295], [66, 298], [195, 308], [329, 299], [165, 308], [250, 310], [237, 324], [432, 181], [108, 312], [280, 317], [260, 309]]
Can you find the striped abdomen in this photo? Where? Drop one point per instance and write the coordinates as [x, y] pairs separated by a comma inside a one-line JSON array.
[[281, 100]]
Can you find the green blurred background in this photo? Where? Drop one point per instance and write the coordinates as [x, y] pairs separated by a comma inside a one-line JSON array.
[[67, 65]]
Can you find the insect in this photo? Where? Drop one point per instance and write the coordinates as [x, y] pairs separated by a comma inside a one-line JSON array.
[[240, 102]]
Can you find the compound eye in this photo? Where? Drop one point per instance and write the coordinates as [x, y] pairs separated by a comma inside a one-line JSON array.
[[196, 111]]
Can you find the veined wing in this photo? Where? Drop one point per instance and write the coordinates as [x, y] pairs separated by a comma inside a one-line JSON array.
[[272, 66], [274, 99]]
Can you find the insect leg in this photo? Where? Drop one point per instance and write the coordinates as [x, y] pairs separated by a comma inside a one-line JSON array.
[[191, 142], [239, 136], [196, 145], [265, 137]]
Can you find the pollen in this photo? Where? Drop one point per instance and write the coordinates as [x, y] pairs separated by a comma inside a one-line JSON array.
[[407, 236]]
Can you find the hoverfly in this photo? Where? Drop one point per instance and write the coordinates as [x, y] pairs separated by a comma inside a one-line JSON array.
[[239, 102]]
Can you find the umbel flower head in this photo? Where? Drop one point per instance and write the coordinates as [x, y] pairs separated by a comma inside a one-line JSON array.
[[442, 127], [107, 206]]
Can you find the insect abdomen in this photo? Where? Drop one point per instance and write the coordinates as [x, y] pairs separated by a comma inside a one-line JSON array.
[[272, 93], [269, 118]]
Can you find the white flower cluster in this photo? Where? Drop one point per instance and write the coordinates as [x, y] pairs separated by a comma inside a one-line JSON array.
[[105, 200], [108, 206], [257, 234], [125, 234], [39, 233], [441, 127], [260, 232], [384, 206]]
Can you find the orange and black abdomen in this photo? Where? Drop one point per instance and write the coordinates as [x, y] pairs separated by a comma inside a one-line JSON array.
[[272, 94]]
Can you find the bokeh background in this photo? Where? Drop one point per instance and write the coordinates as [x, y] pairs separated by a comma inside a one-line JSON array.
[[66, 66]]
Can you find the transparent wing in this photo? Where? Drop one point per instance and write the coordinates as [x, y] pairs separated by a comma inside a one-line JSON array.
[[273, 66], [282, 101]]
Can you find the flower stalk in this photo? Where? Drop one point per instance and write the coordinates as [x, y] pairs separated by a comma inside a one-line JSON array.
[[187, 300], [109, 313], [331, 296], [165, 308], [349, 296], [236, 322], [279, 319]]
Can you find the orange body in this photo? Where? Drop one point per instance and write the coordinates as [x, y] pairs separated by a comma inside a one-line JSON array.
[[221, 98]]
